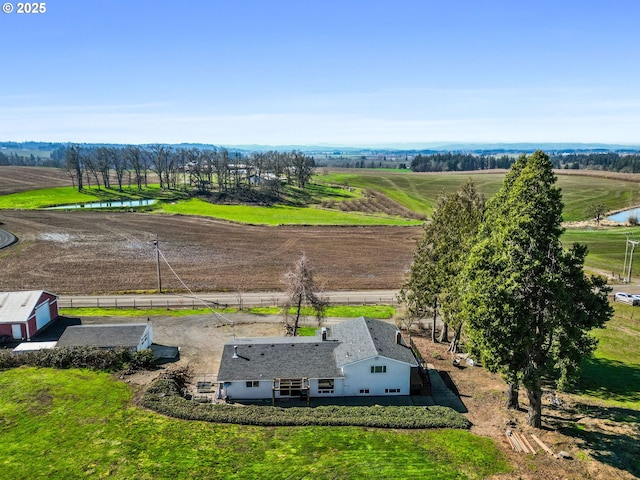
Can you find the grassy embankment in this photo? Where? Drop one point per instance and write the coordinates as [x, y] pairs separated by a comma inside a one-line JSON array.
[[373, 311], [52, 413]]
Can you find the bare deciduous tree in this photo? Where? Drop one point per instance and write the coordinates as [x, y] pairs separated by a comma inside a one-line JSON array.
[[303, 291], [134, 156], [74, 164]]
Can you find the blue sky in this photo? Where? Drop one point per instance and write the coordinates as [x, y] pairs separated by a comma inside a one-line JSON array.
[[322, 72]]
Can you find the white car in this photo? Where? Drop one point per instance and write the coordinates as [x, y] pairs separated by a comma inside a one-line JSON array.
[[627, 298]]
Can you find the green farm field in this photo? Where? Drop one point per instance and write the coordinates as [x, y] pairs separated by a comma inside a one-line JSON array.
[[281, 214], [419, 191], [51, 413], [606, 246], [415, 191]]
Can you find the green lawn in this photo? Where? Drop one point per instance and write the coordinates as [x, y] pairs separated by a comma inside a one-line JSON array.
[[80, 424], [346, 311], [613, 374], [280, 214], [373, 311]]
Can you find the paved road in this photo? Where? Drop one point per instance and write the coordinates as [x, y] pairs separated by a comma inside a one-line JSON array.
[[248, 299], [6, 239]]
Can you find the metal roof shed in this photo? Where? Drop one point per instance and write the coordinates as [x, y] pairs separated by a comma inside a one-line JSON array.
[[23, 314]]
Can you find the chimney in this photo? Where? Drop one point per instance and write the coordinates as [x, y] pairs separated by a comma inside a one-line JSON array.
[[324, 334], [398, 337], [235, 351]]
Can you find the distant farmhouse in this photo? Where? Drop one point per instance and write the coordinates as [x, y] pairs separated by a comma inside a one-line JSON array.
[[360, 357], [23, 314]]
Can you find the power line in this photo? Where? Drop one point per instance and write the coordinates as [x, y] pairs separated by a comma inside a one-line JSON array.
[[196, 296]]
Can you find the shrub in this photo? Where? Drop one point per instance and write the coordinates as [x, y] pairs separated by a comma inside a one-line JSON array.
[[143, 359], [68, 357], [163, 397]]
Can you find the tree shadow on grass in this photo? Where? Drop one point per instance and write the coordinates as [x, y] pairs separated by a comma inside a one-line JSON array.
[[612, 434], [609, 380], [616, 448]]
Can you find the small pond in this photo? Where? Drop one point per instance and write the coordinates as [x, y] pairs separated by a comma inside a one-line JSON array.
[[623, 217], [123, 203]]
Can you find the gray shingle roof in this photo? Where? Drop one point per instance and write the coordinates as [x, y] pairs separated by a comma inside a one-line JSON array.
[[363, 338], [291, 358], [104, 336], [294, 357]]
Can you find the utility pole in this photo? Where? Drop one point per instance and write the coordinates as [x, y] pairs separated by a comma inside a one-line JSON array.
[[626, 252], [158, 264], [633, 246]]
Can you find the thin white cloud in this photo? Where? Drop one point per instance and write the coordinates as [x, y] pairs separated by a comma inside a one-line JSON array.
[[393, 116]]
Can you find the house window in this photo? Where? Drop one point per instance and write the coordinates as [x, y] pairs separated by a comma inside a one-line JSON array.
[[391, 390], [364, 390], [253, 384], [325, 385], [378, 369]]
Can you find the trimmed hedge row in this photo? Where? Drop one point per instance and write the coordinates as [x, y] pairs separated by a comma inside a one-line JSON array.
[[164, 397], [75, 357]]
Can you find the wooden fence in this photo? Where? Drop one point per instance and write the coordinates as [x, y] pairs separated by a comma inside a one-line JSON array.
[[144, 302]]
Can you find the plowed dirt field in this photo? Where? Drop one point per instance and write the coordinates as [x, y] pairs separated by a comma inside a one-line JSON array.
[[107, 252]]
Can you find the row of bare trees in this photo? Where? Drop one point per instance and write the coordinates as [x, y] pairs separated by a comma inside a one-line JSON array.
[[202, 170]]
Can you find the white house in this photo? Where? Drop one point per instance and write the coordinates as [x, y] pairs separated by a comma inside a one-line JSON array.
[[360, 357]]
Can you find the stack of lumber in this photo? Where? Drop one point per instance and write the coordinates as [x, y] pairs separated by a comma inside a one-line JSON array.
[[544, 447], [519, 442]]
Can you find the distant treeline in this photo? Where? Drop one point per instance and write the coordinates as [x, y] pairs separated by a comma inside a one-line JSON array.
[[55, 155], [31, 160], [613, 162], [457, 162]]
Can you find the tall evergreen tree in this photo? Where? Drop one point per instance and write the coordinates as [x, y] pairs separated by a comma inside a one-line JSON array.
[[433, 282], [527, 301]]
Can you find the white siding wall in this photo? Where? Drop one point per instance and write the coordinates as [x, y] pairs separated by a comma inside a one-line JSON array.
[[358, 376], [240, 391], [147, 338], [338, 387]]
